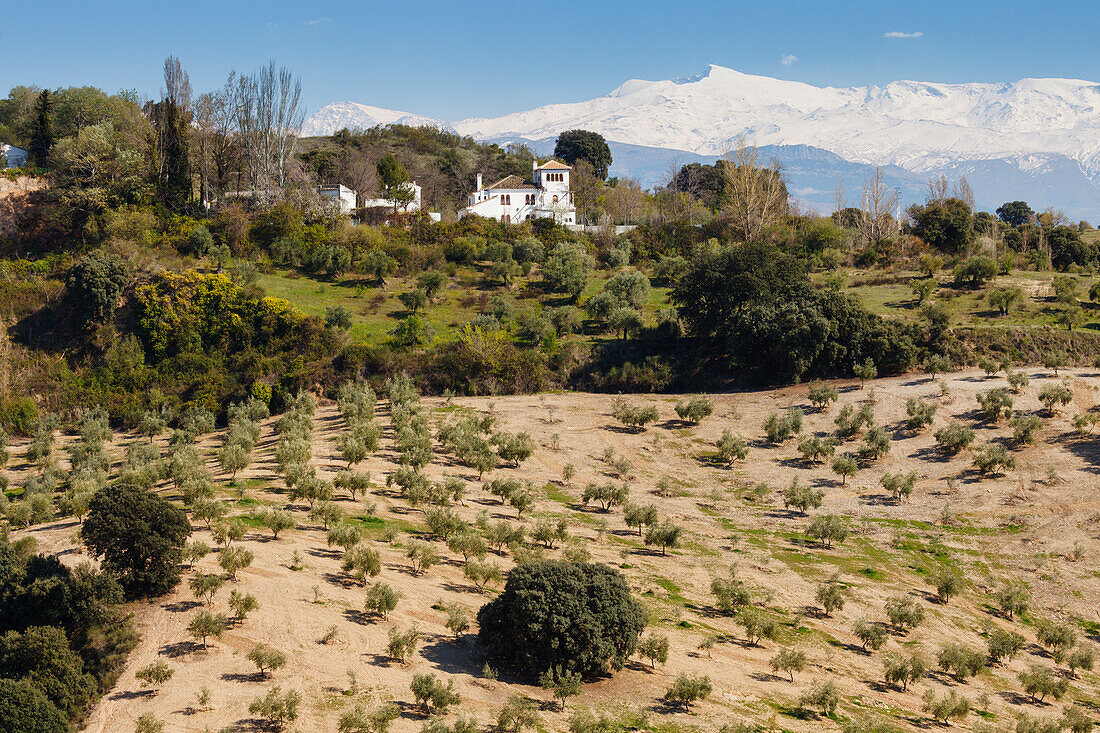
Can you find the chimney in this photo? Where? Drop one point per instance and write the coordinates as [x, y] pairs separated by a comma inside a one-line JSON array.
[[478, 181]]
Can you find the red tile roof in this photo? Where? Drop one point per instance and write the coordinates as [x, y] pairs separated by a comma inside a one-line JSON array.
[[510, 182]]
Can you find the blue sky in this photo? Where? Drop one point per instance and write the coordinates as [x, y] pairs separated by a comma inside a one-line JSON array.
[[484, 58]]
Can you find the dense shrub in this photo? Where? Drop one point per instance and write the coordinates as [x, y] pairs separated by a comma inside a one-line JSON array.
[[95, 284], [25, 707], [41, 655], [576, 616], [481, 361], [139, 535], [567, 269], [1067, 248], [976, 271], [945, 225], [181, 313], [758, 301]]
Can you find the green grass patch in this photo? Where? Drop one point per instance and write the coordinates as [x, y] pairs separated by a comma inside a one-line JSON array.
[[375, 311], [555, 493], [671, 588]]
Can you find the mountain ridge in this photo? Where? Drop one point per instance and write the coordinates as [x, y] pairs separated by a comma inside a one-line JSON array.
[[1040, 127]]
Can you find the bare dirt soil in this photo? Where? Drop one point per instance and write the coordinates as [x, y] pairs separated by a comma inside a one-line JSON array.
[[1038, 524], [14, 199]]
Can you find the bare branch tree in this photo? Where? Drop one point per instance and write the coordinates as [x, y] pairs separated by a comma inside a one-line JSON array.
[[288, 119], [877, 206], [215, 152], [937, 189], [756, 195], [839, 198], [625, 201], [962, 191], [269, 118], [244, 116]]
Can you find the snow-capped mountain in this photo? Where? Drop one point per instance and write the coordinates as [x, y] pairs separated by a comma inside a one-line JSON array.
[[916, 125], [1042, 135], [352, 115]]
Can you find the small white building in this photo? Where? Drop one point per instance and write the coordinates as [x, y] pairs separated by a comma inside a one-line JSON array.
[[14, 157], [413, 205], [514, 200], [342, 196]]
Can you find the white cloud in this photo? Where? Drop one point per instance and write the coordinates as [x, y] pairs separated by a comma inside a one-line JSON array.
[[318, 21], [902, 34], [788, 59]]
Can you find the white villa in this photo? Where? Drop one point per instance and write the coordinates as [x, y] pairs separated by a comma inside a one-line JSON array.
[[12, 156], [514, 200], [342, 196], [414, 205], [345, 198]]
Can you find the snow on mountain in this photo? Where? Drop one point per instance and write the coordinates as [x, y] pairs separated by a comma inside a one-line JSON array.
[[1042, 136], [352, 115], [917, 125]]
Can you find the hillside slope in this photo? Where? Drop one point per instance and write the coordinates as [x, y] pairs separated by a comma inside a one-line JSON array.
[[1036, 524]]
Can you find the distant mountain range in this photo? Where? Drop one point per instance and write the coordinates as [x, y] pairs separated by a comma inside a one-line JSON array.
[[1035, 139]]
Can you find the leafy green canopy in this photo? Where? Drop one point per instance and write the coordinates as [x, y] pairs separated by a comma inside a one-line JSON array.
[[95, 284], [578, 617], [24, 707], [574, 145], [946, 225], [41, 655], [139, 535], [758, 301], [45, 592], [62, 639]]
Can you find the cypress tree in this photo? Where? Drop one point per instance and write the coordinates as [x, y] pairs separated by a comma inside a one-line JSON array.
[[42, 130], [173, 121]]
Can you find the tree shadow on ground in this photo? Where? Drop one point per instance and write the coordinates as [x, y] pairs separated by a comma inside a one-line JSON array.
[[461, 588], [180, 649], [766, 677], [363, 618], [454, 657], [1017, 699], [181, 606], [132, 694], [342, 580], [242, 677], [1088, 451], [251, 725], [932, 454]]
